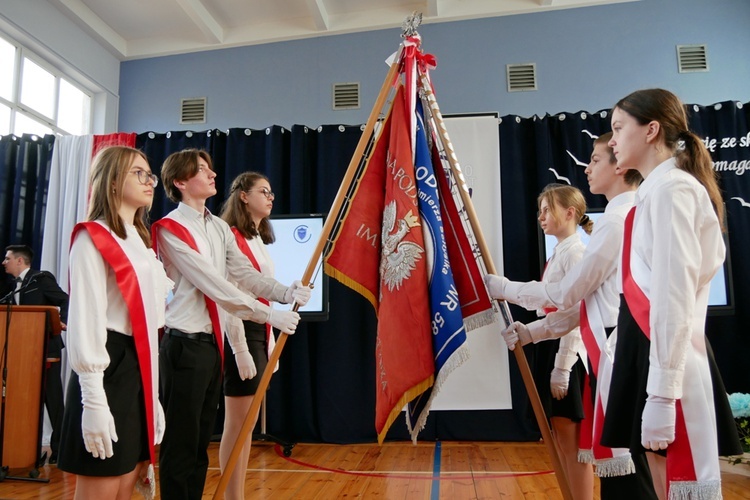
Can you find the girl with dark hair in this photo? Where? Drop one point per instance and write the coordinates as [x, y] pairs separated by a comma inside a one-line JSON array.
[[666, 395], [247, 210]]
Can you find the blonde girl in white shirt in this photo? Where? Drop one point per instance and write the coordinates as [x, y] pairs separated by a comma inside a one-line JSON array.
[[559, 366], [118, 293]]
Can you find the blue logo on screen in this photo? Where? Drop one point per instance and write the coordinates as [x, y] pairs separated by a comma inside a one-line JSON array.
[[302, 234]]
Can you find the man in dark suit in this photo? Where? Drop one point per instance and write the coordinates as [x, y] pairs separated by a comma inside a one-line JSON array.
[[39, 288]]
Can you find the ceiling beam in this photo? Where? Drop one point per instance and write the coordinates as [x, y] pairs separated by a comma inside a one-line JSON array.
[[319, 13], [207, 23], [433, 9], [95, 26]]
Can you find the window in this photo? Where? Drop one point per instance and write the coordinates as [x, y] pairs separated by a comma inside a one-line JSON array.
[[37, 99]]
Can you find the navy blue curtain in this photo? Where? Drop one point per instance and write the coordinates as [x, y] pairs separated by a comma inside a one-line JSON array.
[[158, 146], [725, 129], [24, 180], [325, 388]]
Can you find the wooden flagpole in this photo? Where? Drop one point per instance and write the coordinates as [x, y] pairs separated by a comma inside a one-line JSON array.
[[349, 177], [523, 363]]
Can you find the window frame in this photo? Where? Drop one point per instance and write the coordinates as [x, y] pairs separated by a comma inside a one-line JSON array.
[[21, 54]]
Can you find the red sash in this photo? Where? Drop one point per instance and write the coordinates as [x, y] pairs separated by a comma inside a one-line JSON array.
[[245, 249], [183, 234], [680, 465], [127, 282]]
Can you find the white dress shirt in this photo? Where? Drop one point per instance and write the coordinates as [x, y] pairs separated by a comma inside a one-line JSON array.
[[206, 272], [677, 247], [593, 279], [235, 328], [97, 305], [567, 254]]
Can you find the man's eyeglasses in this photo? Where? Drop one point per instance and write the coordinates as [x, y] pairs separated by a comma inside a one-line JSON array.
[[268, 194], [144, 177]]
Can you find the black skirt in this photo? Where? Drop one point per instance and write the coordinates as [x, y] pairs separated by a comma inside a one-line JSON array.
[[255, 334], [542, 363], [627, 392], [122, 384]]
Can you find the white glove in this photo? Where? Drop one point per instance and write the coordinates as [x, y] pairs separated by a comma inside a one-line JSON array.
[[496, 285], [245, 364], [286, 321], [297, 293], [97, 422], [516, 332], [558, 382], [161, 423], [657, 423]]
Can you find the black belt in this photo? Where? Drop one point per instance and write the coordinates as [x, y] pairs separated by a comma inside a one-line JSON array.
[[200, 336]]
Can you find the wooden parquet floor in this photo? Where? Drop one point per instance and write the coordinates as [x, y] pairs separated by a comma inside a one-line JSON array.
[[463, 470]]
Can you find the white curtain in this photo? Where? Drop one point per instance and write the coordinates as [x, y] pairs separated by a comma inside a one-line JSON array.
[[482, 382], [67, 202]]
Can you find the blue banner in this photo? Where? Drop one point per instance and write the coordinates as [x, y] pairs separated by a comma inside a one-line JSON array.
[[448, 332]]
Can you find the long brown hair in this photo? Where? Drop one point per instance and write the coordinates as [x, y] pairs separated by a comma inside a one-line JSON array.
[[108, 171], [235, 213], [566, 196], [691, 154]]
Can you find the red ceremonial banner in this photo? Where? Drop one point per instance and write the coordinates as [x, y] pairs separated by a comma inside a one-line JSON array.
[[379, 252]]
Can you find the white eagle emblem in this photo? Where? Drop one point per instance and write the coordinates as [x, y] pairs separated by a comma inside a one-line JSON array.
[[398, 258]]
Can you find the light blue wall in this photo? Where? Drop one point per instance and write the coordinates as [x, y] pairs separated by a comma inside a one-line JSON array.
[[586, 58]]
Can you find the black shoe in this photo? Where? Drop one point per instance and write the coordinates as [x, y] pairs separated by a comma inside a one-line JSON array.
[[53, 458]]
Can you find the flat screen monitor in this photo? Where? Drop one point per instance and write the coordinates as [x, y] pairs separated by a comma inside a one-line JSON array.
[[296, 239], [720, 297]]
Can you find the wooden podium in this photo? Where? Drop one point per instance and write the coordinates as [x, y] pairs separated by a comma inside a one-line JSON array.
[[21, 411]]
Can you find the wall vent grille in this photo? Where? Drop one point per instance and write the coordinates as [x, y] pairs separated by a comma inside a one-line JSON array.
[[692, 58], [521, 77], [346, 95], [193, 110]]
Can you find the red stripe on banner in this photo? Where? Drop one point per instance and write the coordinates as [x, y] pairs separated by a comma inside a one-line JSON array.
[[183, 234], [680, 464], [599, 450], [245, 249], [127, 282], [585, 439], [472, 293], [637, 301], [589, 340]]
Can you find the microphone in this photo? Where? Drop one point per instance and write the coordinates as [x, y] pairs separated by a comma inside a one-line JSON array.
[[9, 296]]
